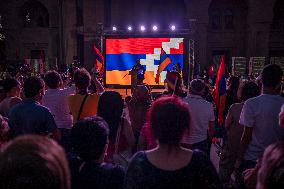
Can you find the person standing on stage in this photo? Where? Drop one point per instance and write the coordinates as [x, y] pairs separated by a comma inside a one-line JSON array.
[[137, 74]]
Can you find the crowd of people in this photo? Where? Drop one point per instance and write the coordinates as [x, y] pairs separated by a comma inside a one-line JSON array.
[[63, 135]]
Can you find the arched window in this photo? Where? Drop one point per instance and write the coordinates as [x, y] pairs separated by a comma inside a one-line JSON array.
[[278, 18], [34, 14], [216, 19], [2, 39], [2, 36], [227, 15], [229, 19]]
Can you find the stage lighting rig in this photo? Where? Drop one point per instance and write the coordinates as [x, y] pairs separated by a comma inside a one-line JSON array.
[[142, 28], [155, 28], [129, 28], [114, 28], [173, 27]]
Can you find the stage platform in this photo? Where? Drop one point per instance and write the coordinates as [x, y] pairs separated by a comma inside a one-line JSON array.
[[127, 92]]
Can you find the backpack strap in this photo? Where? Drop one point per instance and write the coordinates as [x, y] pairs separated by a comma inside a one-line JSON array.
[[81, 107]]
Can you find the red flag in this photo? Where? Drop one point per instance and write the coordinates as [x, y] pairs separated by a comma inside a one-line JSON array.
[[210, 71], [220, 90], [164, 62], [99, 64]]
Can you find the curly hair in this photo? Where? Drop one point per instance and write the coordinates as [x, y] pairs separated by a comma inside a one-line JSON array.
[[169, 118]]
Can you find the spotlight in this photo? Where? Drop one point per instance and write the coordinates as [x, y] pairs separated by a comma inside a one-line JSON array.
[[129, 28], [173, 27], [155, 28], [114, 28], [142, 28]]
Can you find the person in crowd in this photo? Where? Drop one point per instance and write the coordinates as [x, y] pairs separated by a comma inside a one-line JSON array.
[[169, 165], [29, 117], [146, 141], [207, 94], [121, 137], [174, 84], [281, 117], [203, 119], [125, 113], [271, 172], [250, 175], [32, 162], [4, 131], [56, 100], [234, 131], [259, 117], [138, 107], [12, 88], [90, 140], [82, 104], [232, 96]]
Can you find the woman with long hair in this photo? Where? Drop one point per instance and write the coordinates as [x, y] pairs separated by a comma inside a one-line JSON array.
[[169, 165], [121, 137]]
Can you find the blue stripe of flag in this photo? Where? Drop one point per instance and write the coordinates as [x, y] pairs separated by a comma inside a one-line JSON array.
[[126, 61], [222, 86], [122, 61]]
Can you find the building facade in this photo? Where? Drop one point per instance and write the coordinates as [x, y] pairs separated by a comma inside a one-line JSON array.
[[61, 30]]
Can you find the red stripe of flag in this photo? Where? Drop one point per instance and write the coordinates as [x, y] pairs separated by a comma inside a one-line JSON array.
[[135, 45], [164, 62], [220, 90], [99, 60]]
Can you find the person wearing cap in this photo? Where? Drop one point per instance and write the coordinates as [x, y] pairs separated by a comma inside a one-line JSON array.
[[174, 84], [203, 119]]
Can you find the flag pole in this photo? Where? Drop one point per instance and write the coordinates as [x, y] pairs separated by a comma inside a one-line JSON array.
[[175, 86]]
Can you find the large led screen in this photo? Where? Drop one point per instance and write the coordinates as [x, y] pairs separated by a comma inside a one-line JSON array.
[[122, 54]]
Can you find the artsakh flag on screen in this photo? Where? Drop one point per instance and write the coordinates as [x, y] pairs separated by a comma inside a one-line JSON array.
[[99, 60], [122, 54]]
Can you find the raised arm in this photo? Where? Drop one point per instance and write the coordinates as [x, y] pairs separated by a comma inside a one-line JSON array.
[[100, 88]]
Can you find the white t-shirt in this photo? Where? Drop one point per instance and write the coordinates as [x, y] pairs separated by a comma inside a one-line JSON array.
[[201, 114], [261, 113], [57, 102]]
